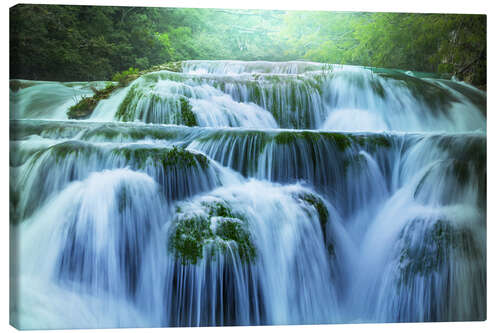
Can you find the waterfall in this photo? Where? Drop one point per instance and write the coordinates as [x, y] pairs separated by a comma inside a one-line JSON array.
[[249, 193]]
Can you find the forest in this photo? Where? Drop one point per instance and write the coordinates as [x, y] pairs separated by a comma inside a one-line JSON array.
[[83, 43]]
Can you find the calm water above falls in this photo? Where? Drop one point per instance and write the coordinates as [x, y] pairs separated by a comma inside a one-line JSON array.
[[305, 194]]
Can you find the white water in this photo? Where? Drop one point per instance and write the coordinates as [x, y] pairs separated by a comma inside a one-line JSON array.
[[127, 224]]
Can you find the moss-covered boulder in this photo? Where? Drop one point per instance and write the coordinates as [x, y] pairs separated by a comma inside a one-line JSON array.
[[213, 228], [84, 108]]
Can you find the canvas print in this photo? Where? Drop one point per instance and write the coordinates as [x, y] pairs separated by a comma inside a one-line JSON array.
[[222, 167]]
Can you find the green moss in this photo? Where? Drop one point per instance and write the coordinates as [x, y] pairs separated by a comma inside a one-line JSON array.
[[187, 114], [177, 156], [323, 216], [112, 132], [319, 205], [189, 238], [168, 157], [233, 230], [342, 141], [372, 141], [16, 85], [124, 78], [125, 112], [216, 229], [62, 150], [311, 136], [285, 138], [84, 108], [218, 209]]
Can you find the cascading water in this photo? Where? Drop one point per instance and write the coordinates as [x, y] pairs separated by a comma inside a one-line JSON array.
[[298, 193]]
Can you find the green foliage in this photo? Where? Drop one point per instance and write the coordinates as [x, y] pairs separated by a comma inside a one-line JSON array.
[[82, 43], [125, 77], [446, 43], [74, 43]]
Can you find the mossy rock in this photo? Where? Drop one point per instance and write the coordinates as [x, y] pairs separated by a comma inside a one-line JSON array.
[[84, 108], [214, 230], [168, 157], [16, 85]]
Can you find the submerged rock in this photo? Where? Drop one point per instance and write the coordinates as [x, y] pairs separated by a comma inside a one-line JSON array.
[[429, 247], [142, 102], [317, 204], [16, 85]]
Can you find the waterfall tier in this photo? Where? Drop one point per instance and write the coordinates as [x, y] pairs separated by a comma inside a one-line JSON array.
[[249, 193]]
